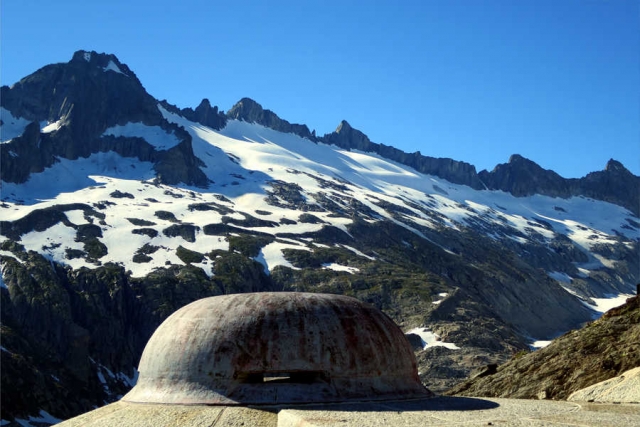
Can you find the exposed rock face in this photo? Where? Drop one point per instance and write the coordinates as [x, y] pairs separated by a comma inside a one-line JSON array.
[[614, 184], [522, 177], [347, 137], [624, 388], [203, 114], [74, 336], [601, 350], [86, 96], [250, 111]]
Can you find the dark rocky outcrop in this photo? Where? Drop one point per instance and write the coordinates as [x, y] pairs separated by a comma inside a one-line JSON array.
[[203, 114], [69, 337], [615, 184], [454, 171], [86, 96], [523, 177], [601, 350], [520, 176], [250, 111]]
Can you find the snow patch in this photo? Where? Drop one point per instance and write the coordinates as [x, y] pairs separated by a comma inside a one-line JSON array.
[[540, 344], [603, 305], [111, 66], [43, 417], [338, 267], [560, 276], [11, 127], [102, 378], [68, 181], [48, 127], [76, 216], [357, 252], [129, 380], [430, 339], [271, 256], [154, 135], [442, 295]]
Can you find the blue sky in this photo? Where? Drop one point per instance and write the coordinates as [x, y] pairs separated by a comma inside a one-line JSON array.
[[555, 81]]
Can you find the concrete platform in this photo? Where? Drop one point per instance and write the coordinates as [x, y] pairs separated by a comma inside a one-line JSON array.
[[438, 411]]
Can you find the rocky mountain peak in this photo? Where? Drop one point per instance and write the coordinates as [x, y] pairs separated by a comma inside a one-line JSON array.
[[344, 126], [524, 177], [615, 184], [247, 110], [250, 111], [81, 100], [615, 166], [104, 60], [518, 159], [346, 136]]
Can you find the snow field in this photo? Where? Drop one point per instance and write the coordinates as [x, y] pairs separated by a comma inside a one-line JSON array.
[[243, 159], [154, 135], [430, 339]]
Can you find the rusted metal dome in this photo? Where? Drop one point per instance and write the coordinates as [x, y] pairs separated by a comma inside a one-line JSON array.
[[274, 348]]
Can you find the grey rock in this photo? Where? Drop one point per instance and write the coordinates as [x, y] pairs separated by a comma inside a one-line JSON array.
[[345, 136], [523, 177], [88, 100], [250, 111], [624, 388]]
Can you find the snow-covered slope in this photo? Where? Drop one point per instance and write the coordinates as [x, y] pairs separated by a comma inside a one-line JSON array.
[[243, 160]]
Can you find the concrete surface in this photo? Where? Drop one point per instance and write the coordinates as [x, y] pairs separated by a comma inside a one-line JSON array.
[[271, 348], [124, 414], [441, 411], [624, 388]]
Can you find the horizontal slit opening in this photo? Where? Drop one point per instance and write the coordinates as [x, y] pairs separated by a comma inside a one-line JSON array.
[[298, 377]]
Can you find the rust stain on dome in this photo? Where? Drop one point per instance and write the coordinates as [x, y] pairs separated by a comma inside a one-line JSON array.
[[273, 348]]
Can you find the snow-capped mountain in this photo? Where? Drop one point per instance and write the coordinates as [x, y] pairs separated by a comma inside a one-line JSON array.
[[118, 209]]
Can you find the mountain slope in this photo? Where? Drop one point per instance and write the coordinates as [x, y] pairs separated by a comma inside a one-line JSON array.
[[606, 348], [108, 227]]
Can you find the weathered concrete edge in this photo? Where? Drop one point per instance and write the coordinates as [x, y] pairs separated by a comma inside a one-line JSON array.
[[408, 413]]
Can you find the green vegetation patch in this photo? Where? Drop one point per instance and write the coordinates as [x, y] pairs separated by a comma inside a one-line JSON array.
[[145, 231], [94, 248], [319, 256], [222, 210], [249, 221], [140, 222], [249, 245], [307, 218], [186, 231], [235, 273], [74, 253], [121, 195], [141, 258], [166, 215], [188, 256], [87, 231], [142, 254]]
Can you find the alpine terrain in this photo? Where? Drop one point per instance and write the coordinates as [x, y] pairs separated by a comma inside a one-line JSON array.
[[118, 209]]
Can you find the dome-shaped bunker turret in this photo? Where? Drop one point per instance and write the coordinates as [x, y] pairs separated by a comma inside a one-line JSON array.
[[272, 348]]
